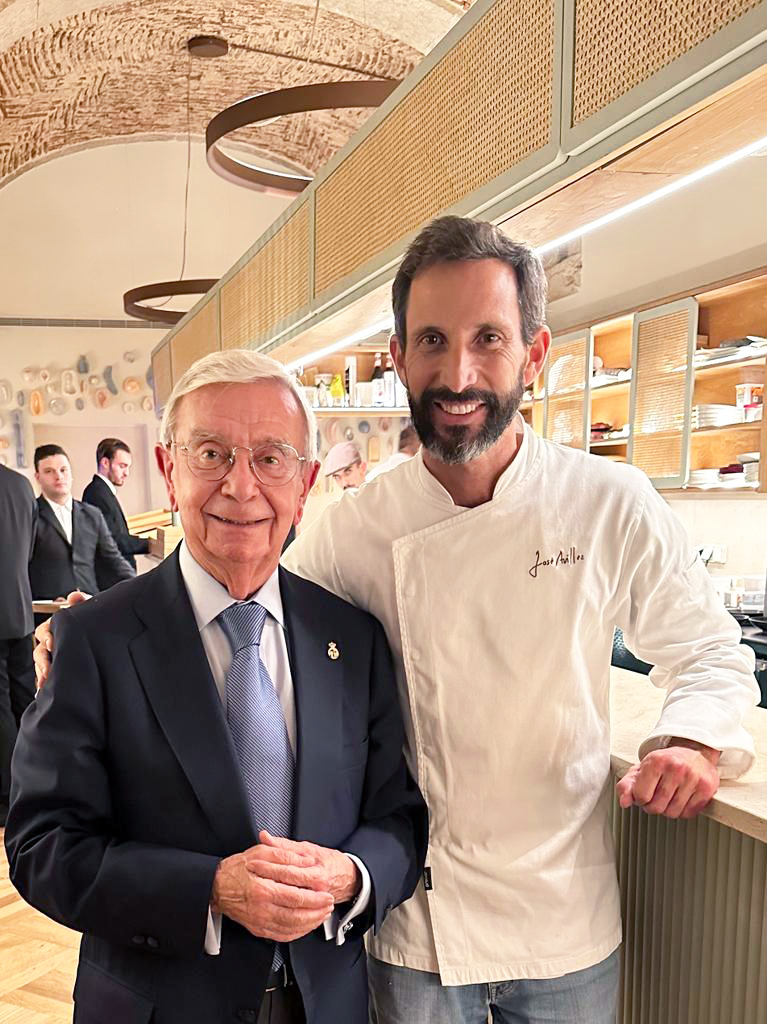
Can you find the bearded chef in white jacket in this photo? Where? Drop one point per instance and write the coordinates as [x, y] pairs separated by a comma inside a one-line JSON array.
[[499, 564]]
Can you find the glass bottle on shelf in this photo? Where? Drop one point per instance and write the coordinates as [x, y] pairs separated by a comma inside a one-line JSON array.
[[377, 381], [389, 377], [337, 392]]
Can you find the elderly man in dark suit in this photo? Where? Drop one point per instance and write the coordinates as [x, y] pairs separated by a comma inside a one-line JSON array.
[[114, 460], [69, 536], [211, 784], [17, 675]]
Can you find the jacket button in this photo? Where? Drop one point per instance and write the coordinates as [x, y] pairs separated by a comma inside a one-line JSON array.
[[152, 942], [138, 940], [246, 1016]]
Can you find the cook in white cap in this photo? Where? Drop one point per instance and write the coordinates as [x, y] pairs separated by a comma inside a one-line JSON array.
[[344, 464]]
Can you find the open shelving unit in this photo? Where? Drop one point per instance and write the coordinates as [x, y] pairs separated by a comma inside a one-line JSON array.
[[665, 381]]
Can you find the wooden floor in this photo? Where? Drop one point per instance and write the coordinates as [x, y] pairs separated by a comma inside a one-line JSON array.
[[37, 961]]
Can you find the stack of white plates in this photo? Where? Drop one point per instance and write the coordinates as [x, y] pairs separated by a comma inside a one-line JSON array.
[[751, 472], [715, 416], [703, 478]]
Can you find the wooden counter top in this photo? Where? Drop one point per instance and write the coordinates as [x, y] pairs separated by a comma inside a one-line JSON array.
[[740, 804]]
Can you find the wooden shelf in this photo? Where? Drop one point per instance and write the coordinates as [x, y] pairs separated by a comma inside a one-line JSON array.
[[755, 426], [619, 441], [375, 410], [616, 388], [714, 492], [732, 363]]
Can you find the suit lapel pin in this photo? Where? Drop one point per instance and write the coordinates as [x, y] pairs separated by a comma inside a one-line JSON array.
[[333, 652]]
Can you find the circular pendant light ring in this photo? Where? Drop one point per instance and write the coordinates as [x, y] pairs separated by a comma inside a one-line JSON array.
[[267, 106], [165, 289]]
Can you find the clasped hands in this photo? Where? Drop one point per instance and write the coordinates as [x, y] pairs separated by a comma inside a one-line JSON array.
[[676, 781], [281, 889]]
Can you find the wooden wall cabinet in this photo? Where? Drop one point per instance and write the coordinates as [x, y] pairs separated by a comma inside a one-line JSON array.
[[661, 391], [567, 390]]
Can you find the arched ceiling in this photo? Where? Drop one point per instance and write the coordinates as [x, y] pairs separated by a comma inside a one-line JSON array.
[[93, 105], [74, 75]]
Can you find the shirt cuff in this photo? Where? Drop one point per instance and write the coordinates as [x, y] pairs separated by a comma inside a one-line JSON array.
[[336, 928], [213, 934]]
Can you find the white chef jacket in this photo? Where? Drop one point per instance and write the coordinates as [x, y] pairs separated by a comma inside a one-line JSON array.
[[209, 598], [501, 620]]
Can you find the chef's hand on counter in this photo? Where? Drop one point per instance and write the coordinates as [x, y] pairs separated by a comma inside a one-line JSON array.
[[44, 642], [676, 781]]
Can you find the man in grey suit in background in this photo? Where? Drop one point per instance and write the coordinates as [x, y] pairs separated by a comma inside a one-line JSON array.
[[17, 674]]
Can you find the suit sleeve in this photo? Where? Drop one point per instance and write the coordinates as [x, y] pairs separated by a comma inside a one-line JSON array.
[[392, 836], [107, 551], [63, 840], [126, 543]]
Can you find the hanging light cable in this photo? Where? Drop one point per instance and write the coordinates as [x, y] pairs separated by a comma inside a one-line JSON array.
[[134, 300]]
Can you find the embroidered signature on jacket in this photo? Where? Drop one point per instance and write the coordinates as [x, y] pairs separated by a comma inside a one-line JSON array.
[[569, 557]]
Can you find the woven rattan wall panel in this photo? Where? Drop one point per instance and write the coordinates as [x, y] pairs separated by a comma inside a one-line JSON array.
[[694, 900], [195, 339], [619, 45], [661, 385], [565, 385], [162, 375], [274, 284], [480, 111]]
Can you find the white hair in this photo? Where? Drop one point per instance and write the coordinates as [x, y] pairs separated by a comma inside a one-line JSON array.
[[236, 366]]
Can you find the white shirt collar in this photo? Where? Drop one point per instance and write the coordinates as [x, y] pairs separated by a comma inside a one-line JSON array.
[[209, 598], [109, 484], [57, 507], [515, 472]]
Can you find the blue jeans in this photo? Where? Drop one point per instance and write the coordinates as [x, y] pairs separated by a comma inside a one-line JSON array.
[[399, 995]]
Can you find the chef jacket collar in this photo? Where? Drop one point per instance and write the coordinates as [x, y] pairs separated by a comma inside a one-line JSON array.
[[514, 473]]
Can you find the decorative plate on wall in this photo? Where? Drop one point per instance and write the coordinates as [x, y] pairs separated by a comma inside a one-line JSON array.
[[101, 398], [58, 406], [36, 403], [147, 404], [4, 443], [29, 373], [80, 403], [131, 386], [128, 407], [45, 375], [6, 392], [69, 382]]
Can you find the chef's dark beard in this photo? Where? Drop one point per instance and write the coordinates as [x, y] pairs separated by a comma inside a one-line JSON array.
[[461, 444]]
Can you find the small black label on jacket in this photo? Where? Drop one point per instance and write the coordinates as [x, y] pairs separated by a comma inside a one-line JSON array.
[[427, 883]]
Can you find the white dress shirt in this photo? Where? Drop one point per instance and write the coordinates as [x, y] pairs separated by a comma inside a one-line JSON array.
[[501, 619], [109, 484], [64, 515], [208, 599]]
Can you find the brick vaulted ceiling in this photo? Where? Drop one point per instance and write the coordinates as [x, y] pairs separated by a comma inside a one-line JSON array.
[[77, 75]]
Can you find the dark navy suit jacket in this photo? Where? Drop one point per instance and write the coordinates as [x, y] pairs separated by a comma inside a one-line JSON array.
[[58, 567], [127, 793], [98, 494]]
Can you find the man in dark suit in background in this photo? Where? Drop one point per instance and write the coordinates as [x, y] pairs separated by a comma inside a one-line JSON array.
[[69, 536], [211, 785], [114, 459], [17, 675]]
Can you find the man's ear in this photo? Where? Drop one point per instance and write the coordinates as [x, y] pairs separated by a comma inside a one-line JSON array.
[[536, 354], [309, 479], [397, 352], [164, 458]]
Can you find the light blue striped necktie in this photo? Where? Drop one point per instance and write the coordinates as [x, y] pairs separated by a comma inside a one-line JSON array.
[[257, 725]]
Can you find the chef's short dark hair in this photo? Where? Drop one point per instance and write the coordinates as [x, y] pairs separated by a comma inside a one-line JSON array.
[[460, 238]]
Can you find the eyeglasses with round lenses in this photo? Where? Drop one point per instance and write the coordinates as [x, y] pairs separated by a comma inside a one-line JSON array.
[[273, 464]]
